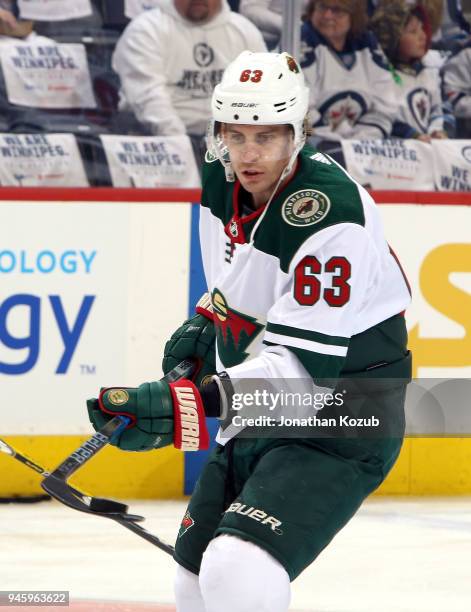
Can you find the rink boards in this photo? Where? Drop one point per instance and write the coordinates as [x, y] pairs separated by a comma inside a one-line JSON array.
[[95, 280]]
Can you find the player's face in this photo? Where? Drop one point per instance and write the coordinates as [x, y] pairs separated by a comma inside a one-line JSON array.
[[198, 11], [333, 21], [259, 154], [413, 42]]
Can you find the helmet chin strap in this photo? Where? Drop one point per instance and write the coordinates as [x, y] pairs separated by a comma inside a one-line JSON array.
[[292, 159], [229, 170]]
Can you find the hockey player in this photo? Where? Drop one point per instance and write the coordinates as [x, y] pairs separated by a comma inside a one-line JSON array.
[[404, 32], [302, 286]]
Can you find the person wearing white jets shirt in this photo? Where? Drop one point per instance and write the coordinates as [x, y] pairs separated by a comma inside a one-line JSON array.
[[404, 31], [302, 287], [170, 58], [457, 82], [351, 88]]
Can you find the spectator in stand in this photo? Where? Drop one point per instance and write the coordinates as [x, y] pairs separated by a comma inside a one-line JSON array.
[[449, 26], [455, 30], [457, 88], [352, 88], [7, 18], [450, 30], [404, 32], [20, 32], [133, 8], [267, 15], [435, 9], [10, 26], [169, 60]]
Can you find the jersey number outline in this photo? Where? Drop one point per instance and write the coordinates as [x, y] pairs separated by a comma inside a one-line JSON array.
[[307, 287], [251, 75]]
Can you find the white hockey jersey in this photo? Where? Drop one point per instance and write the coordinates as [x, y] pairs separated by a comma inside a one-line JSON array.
[[351, 93], [169, 66], [457, 82], [299, 288], [420, 103]]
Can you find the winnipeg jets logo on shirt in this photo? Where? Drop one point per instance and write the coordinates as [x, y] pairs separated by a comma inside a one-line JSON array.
[[419, 105], [201, 81], [234, 330], [203, 54], [343, 111], [305, 207], [346, 106]]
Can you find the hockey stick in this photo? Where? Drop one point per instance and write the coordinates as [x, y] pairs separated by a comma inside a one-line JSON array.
[[96, 503], [56, 482]]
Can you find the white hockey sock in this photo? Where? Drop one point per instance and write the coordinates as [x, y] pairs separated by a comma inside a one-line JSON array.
[[238, 576], [187, 591]]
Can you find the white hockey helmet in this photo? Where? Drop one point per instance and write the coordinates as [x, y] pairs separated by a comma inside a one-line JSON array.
[[259, 89]]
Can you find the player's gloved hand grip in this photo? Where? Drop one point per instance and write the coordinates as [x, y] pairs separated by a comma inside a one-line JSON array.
[[157, 414], [195, 339]]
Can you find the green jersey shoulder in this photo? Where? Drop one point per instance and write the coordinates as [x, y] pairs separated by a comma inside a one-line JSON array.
[[215, 188], [319, 195]]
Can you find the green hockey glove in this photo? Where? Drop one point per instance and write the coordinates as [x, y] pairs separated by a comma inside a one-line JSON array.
[[161, 413], [195, 339]]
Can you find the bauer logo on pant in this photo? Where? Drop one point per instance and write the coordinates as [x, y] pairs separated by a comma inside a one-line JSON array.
[[257, 515], [305, 207]]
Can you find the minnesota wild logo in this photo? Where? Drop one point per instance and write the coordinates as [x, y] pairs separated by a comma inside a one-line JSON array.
[[305, 207], [292, 63], [234, 330], [186, 523]]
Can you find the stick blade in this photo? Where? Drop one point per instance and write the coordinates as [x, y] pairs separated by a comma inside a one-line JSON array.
[[60, 490]]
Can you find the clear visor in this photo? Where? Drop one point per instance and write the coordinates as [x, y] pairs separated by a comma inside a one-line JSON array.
[[252, 144]]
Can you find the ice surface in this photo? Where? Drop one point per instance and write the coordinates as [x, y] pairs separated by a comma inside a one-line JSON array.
[[396, 555]]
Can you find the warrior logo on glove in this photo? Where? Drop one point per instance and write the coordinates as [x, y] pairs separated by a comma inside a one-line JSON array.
[[187, 436], [161, 413]]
